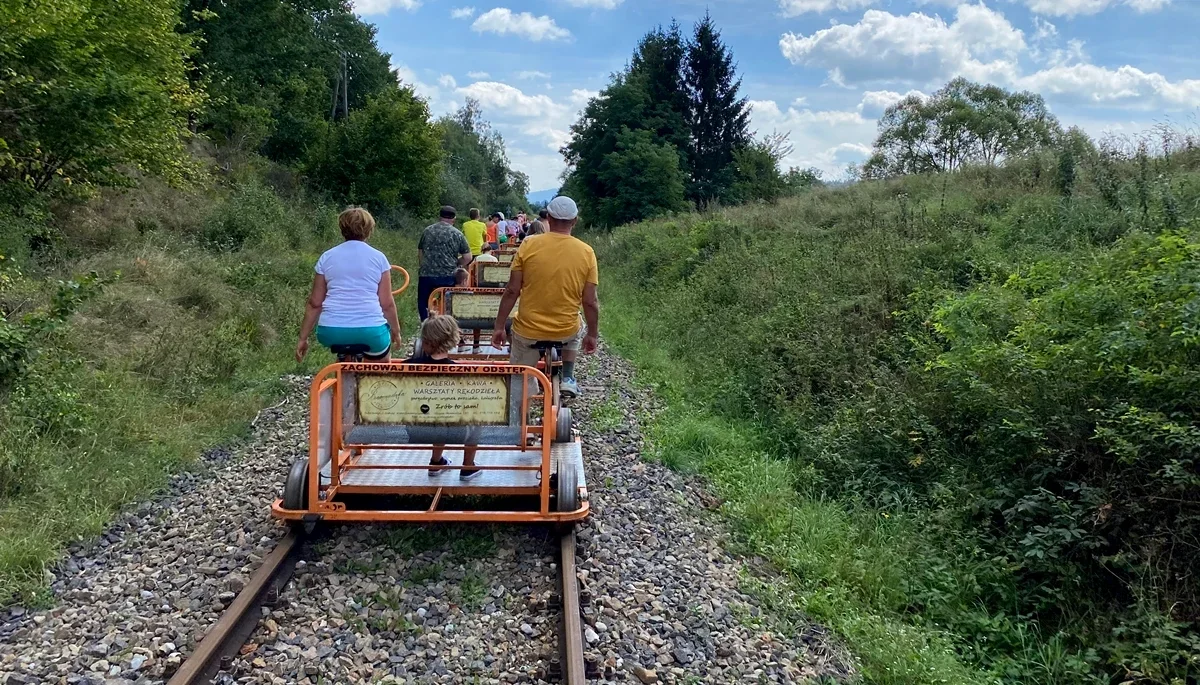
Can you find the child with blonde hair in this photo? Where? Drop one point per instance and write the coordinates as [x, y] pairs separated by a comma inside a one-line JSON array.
[[439, 336]]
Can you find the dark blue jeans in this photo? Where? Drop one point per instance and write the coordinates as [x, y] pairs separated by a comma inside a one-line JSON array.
[[425, 287]]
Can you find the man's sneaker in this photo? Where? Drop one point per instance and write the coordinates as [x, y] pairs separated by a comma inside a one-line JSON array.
[[569, 387], [436, 470], [469, 474]]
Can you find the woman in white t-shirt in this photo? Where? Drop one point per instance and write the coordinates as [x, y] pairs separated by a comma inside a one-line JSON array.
[[352, 294]]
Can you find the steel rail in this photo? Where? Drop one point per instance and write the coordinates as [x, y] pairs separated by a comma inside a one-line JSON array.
[[571, 642], [238, 622]]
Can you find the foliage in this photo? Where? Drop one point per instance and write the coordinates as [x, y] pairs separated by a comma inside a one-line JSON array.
[[673, 96], [385, 155], [756, 174], [1011, 374], [272, 67], [719, 114], [477, 172], [92, 91], [798, 180], [636, 157], [963, 122], [110, 385]]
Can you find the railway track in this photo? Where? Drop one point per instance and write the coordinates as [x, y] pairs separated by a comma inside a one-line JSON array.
[[222, 642]]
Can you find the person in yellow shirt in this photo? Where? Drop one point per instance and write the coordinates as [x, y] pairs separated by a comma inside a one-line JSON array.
[[554, 275], [474, 230]]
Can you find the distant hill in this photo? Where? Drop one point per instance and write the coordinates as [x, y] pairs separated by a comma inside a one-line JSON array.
[[542, 196]]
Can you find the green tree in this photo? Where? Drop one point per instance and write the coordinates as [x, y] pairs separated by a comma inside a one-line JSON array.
[[638, 157], [659, 61], [91, 90], [619, 108], [756, 170], [272, 67], [477, 172], [386, 155], [719, 115], [798, 180], [963, 122]]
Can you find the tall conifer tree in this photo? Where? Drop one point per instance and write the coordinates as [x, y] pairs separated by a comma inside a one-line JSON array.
[[719, 115]]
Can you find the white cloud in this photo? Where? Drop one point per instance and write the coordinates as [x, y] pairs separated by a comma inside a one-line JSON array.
[[1125, 85], [794, 8], [462, 12], [509, 101], [827, 140], [503, 21], [526, 75], [1044, 30], [598, 4], [447, 81], [917, 48], [1071, 8], [875, 101], [366, 7], [478, 75]]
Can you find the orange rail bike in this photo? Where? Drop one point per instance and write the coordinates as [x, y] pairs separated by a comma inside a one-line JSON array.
[[398, 291], [372, 432], [490, 274], [476, 310]]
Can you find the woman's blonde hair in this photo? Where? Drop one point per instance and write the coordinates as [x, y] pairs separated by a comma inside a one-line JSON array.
[[439, 334], [356, 223]]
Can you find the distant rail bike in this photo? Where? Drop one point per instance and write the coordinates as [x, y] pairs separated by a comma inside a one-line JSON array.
[[475, 309], [490, 274]]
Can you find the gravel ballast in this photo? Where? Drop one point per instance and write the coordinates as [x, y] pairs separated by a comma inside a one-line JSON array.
[[447, 604]]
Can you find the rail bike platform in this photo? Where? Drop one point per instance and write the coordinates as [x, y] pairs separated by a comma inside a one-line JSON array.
[[374, 428]]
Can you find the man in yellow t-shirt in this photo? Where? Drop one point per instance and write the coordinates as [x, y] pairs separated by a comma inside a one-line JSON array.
[[553, 274], [474, 230]]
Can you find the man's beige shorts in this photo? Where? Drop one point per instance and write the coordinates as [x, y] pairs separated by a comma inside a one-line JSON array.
[[523, 353]]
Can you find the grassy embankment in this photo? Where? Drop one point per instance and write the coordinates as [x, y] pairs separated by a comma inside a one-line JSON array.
[[181, 340], [957, 412]]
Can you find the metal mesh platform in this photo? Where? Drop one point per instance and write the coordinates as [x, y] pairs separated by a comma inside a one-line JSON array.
[[485, 348], [559, 452]]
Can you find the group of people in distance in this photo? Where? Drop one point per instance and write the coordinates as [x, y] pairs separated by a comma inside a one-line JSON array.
[[553, 274]]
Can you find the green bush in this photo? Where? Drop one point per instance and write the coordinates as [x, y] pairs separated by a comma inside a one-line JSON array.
[[111, 381], [1014, 372]]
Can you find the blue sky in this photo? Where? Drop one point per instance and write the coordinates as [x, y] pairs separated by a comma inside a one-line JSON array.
[[822, 70]]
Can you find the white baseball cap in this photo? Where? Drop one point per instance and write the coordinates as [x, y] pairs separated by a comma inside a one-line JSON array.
[[563, 208]]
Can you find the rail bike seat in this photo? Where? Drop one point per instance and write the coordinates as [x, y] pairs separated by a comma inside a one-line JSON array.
[[543, 345], [356, 351]]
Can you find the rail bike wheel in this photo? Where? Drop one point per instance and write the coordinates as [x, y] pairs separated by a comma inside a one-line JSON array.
[[567, 494], [562, 426], [295, 493]]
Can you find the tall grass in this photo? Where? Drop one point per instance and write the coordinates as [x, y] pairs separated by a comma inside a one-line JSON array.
[[185, 338], [946, 406]]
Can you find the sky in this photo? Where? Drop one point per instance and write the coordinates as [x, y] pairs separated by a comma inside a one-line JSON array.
[[821, 70]]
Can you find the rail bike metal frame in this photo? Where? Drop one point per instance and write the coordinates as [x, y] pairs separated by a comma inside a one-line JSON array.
[[327, 441], [441, 302]]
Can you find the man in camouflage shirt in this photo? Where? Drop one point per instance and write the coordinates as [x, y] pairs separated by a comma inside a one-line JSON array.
[[442, 250]]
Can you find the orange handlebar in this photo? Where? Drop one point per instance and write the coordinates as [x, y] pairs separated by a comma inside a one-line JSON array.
[[396, 293]]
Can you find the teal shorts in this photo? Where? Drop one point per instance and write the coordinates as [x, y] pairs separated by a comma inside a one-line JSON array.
[[378, 339]]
